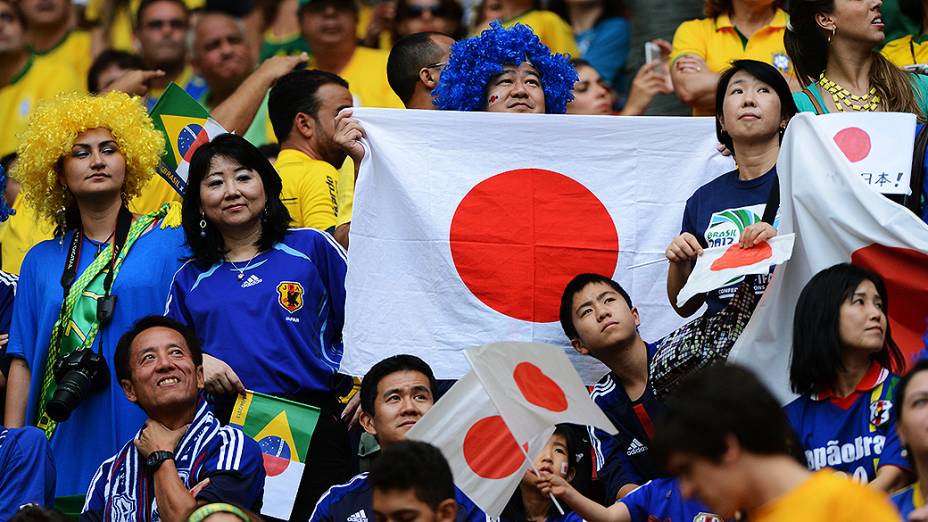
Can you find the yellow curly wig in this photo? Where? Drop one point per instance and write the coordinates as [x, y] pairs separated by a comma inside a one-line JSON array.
[[52, 129]]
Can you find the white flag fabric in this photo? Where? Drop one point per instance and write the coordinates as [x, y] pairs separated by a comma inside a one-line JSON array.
[[719, 266], [837, 218], [467, 226], [485, 459], [535, 386]]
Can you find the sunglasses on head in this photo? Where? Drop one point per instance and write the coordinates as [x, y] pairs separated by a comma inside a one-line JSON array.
[[416, 11]]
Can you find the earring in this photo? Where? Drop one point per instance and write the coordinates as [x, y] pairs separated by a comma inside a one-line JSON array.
[[264, 215], [834, 29], [61, 221], [202, 224]]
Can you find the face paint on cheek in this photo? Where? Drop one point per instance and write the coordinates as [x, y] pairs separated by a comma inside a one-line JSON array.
[[492, 99], [564, 469]]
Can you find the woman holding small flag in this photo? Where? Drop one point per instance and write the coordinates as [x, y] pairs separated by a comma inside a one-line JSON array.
[[752, 105], [843, 363], [268, 301], [81, 160]]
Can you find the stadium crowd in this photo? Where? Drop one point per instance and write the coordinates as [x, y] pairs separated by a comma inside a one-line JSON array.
[[133, 316]]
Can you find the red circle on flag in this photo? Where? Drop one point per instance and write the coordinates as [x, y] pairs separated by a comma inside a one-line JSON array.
[[905, 273], [517, 238], [490, 450], [854, 143], [736, 256], [538, 388]]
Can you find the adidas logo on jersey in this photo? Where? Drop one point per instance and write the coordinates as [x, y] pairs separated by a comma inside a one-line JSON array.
[[251, 281], [358, 517], [635, 448]]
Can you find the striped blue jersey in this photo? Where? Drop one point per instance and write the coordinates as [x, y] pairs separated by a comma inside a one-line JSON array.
[[276, 320], [122, 489], [854, 434], [660, 500], [27, 470]]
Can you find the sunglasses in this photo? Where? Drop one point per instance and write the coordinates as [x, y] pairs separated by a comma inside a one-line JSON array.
[[174, 23], [416, 11]]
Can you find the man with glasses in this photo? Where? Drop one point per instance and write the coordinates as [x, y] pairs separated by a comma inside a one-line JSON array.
[[415, 65], [161, 35]]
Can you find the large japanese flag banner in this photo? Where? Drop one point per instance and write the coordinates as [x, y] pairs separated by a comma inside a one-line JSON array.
[[485, 457], [837, 217], [467, 226], [535, 386]]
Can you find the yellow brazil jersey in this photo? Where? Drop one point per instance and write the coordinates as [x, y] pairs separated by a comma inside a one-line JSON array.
[[551, 29], [21, 232], [828, 496], [310, 190], [345, 193], [366, 74], [73, 50], [40, 79], [718, 42], [155, 193], [908, 50]]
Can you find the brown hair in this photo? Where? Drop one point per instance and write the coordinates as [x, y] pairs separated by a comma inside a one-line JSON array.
[[713, 8]]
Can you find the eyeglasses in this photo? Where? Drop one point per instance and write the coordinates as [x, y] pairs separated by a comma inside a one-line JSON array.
[[440, 66], [416, 11], [175, 23]]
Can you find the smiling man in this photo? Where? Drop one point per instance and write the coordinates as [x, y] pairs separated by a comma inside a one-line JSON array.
[[181, 458]]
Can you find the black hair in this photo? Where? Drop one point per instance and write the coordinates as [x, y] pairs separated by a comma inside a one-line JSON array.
[[8, 159], [389, 366], [610, 9], [580, 62], [145, 4], [124, 346], [107, 59], [515, 508], [903, 385], [407, 57], [914, 10], [414, 465], [269, 150], [18, 12], [816, 358], [574, 287], [718, 402], [209, 248], [295, 92], [763, 72]]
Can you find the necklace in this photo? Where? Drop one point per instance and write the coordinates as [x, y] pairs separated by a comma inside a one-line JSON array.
[[241, 271], [843, 98], [99, 245]]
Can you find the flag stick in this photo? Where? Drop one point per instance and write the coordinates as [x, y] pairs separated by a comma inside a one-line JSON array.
[[538, 474], [648, 263]]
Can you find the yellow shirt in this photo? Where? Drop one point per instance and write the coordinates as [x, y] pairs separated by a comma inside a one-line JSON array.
[[828, 497], [74, 51], [345, 194], [310, 190], [366, 74], [716, 41], [21, 232], [40, 79], [155, 193], [551, 29], [908, 50]]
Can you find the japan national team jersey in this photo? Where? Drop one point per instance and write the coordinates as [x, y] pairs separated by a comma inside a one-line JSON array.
[[277, 319], [855, 434], [660, 500], [908, 500]]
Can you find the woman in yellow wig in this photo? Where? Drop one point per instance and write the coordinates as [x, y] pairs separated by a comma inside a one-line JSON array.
[[81, 159]]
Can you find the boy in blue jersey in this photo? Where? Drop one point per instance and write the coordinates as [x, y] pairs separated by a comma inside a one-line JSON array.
[[412, 482], [181, 458], [395, 394], [598, 317], [27, 470]]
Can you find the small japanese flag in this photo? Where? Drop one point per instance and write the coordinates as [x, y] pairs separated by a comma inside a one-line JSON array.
[[718, 266]]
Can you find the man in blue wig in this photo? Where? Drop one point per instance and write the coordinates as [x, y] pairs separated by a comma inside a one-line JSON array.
[[505, 70]]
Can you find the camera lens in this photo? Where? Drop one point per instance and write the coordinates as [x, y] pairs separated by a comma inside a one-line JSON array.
[[70, 391]]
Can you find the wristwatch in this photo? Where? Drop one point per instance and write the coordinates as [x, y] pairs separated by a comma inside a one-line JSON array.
[[156, 458]]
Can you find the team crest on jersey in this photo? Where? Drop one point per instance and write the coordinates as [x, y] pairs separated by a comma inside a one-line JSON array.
[[707, 517], [781, 62], [290, 295], [879, 412]]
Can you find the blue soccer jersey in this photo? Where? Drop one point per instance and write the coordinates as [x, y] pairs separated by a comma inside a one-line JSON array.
[[27, 471], [277, 320], [854, 434], [660, 500], [625, 458], [908, 500]]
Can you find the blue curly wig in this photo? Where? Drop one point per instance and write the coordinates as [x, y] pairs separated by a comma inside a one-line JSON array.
[[475, 61]]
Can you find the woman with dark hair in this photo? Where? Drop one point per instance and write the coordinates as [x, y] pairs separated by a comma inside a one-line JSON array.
[[732, 30], [753, 105], [419, 16], [842, 368], [910, 51], [912, 427], [267, 301], [831, 44], [602, 33], [593, 96]]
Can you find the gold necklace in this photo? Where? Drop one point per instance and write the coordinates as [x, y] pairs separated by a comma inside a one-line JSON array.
[[843, 98]]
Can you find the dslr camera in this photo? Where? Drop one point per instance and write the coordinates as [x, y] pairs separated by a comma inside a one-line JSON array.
[[77, 374]]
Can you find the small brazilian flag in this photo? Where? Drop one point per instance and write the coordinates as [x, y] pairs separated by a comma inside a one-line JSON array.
[[283, 429], [185, 125]]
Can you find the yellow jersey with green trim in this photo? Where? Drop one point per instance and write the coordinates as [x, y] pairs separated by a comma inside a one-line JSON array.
[[73, 50], [550, 28], [345, 193], [310, 190], [908, 50], [827, 496], [41, 78], [366, 74], [22, 231], [718, 43]]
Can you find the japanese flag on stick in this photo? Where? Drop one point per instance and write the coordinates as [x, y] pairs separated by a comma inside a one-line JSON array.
[[718, 266], [534, 386], [485, 457], [837, 218]]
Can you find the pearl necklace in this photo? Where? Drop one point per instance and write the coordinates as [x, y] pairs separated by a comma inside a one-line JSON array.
[[241, 271], [868, 102]]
